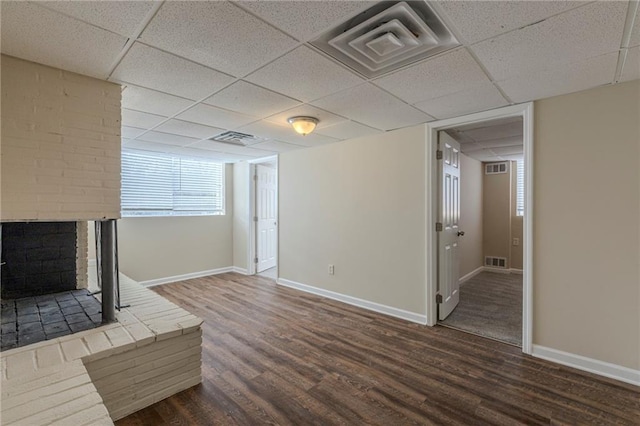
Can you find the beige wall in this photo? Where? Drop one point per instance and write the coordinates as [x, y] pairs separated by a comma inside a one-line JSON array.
[[587, 224], [359, 205], [60, 144], [496, 214], [159, 247], [241, 223], [471, 257]]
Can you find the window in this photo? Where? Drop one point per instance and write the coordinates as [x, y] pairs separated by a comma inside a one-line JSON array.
[[520, 188], [155, 184]]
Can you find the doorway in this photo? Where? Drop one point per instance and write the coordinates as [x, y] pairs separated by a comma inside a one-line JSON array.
[[264, 241], [476, 283]]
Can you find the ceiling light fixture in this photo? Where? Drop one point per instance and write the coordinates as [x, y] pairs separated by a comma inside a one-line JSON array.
[[303, 125]]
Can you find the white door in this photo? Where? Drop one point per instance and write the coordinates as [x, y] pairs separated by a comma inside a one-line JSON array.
[[449, 217], [267, 216]]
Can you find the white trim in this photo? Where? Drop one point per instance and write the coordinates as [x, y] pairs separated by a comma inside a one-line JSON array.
[[497, 270], [91, 262], [238, 270], [350, 300], [526, 112], [515, 271], [602, 368], [252, 237], [175, 278], [471, 274]]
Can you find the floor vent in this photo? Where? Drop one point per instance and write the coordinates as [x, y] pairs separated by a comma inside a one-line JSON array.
[[236, 138], [495, 262], [495, 168], [386, 37]]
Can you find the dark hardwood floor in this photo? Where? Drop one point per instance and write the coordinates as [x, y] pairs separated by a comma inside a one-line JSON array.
[[273, 355]]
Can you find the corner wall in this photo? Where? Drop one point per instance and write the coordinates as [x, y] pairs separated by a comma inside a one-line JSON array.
[[152, 248], [586, 260], [359, 205]]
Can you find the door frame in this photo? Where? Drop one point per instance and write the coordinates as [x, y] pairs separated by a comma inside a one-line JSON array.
[[431, 187], [253, 231]]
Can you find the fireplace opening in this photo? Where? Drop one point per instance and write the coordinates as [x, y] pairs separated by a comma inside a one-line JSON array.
[[43, 291]]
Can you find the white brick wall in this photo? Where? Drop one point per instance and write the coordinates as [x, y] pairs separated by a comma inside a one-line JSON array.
[[59, 145]]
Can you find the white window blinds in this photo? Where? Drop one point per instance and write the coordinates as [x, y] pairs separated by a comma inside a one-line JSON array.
[[155, 184], [520, 188]]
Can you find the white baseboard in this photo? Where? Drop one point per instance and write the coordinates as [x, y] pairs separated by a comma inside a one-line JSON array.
[[591, 365], [242, 271], [350, 300], [471, 274], [515, 271], [497, 270], [175, 278]]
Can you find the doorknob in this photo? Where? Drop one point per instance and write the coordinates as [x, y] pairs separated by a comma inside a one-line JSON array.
[[460, 233]]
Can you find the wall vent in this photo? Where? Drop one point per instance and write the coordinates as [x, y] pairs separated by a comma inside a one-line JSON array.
[[495, 262], [236, 138], [387, 36], [495, 168]]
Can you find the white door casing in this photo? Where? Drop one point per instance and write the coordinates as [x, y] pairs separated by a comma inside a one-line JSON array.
[[267, 217], [449, 217]]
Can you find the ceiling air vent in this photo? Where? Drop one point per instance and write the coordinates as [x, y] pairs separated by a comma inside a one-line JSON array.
[[386, 37], [236, 138]]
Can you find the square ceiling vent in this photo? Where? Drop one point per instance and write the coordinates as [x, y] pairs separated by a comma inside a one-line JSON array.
[[386, 37], [236, 138]]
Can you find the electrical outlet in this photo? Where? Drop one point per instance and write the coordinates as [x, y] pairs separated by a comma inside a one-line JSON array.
[[516, 241], [331, 270]]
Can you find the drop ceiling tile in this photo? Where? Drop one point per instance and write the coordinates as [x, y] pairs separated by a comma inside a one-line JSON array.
[[470, 147], [347, 130], [131, 132], [304, 75], [121, 17], [481, 98], [185, 128], [155, 69], [490, 133], [324, 118], [250, 99], [231, 149], [442, 75], [635, 32], [276, 146], [582, 33], [216, 117], [479, 20], [139, 119], [40, 35], [513, 157], [484, 156], [495, 143], [372, 106], [217, 34], [303, 19], [631, 70], [268, 130], [566, 78], [166, 138], [153, 102], [211, 155], [149, 146], [508, 150]]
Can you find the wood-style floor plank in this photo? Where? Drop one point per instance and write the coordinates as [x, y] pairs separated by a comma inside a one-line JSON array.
[[273, 355]]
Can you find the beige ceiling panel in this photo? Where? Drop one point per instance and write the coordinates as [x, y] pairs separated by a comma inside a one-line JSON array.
[[217, 34]]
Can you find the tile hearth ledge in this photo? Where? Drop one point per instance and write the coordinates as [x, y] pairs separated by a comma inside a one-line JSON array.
[[101, 375]]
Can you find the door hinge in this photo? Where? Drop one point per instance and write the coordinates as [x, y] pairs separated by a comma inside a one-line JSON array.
[[255, 260], [438, 155], [255, 177], [438, 226], [438, 298], [255, 218]]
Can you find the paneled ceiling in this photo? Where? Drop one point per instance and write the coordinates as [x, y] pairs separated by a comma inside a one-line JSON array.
[[495, 140], [191, 70]]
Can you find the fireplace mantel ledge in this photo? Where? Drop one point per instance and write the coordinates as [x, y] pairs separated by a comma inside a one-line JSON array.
[[47, 382]]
